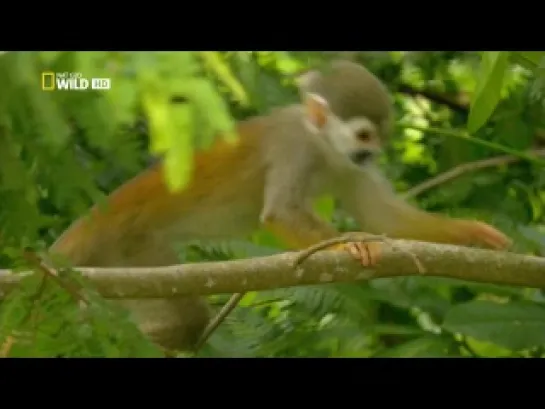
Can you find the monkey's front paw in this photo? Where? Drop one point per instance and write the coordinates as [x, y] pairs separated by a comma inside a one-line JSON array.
[[368, 253], [481, 233]]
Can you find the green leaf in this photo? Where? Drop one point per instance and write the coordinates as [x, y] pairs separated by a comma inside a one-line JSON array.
[[426, 346], [410, 292], [212, 112], [123, 95], [516, 325], [47, 114], [179, 158], [161, 128], [265, 89], [13, 173], [534, 57], [516, 133], [287, 65], [214, 62], [395, 329], [171, 131], [488, 92]]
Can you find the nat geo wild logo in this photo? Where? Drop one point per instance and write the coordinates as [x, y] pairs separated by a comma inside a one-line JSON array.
[[72, 81]]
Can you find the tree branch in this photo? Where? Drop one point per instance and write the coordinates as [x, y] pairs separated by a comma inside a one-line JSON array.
[[265, 273], [458, 103], [466, 168]]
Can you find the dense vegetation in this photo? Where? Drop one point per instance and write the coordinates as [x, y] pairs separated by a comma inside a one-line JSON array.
[[62, 151]]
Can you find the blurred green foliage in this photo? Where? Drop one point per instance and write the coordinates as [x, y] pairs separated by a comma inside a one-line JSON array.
[[62, 151]]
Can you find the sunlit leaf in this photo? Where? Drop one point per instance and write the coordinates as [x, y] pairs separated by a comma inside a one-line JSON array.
[[213, 111], [488, 92], [166, 140], [179, 158], [214, 62], [162, 129]]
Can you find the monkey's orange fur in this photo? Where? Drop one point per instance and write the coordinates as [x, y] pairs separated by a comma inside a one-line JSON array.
[[144, 204]]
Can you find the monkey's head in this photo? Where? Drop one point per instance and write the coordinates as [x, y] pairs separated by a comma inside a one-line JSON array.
[[353, 93], [351, 142]]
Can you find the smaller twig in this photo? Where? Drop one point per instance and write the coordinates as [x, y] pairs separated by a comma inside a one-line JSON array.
[[51, 273], [467, 168], [265, 302], [218, 319], [224, 312], [457, 103], [420, 267]]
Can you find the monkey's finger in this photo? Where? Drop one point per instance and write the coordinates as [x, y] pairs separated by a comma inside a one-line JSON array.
[[373, 251], [361, 253], [374, 248], [490, 236], [353, 250], [368, 253]]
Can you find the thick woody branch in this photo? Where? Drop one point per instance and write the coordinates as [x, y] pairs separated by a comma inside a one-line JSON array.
[[264, 273]]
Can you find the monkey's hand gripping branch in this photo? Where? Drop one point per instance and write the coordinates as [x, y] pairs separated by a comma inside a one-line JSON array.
[[362, 246]]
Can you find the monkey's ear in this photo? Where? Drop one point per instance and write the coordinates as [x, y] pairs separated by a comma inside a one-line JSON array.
[[317, 110]]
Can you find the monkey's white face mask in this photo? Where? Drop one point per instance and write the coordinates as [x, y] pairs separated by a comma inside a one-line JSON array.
[[355, 141]]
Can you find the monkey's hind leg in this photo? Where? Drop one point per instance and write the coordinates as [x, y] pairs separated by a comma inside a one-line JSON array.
[[174, 324]]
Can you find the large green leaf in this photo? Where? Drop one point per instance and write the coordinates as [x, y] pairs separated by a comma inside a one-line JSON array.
[[214, 62], [533, 57], [422, 347], [516, 325], [488, 92], [170, 132]]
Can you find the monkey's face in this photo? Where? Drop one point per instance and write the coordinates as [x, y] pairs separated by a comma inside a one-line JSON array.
[[357, 141]]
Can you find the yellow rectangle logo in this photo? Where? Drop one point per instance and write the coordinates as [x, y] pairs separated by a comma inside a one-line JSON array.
[[48, 81]]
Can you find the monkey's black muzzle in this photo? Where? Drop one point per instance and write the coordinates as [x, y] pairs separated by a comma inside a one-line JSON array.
[[360, 158]]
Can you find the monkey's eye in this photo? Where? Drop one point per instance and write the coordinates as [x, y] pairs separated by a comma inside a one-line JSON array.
[[363, 135]]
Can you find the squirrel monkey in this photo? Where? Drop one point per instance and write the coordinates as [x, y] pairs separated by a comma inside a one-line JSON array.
[[281, 162]]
